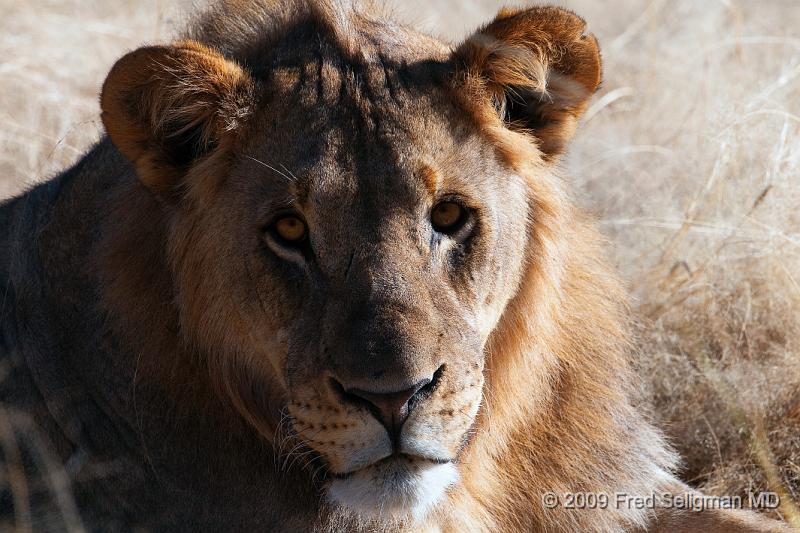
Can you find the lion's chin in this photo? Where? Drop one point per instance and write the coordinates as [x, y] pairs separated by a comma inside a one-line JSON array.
[[394, 489]]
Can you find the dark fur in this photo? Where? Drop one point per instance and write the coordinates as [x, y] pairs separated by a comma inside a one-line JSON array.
[[133, 460]]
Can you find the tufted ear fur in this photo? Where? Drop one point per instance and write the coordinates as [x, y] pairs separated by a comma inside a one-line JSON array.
[[167, 107], [539, 69]]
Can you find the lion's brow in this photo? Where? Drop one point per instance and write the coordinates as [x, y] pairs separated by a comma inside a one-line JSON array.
[[297, 191]]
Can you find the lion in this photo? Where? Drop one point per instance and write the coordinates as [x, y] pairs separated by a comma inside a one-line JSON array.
[[323, 274]]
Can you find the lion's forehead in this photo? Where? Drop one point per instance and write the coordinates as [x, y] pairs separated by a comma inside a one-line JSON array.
[[339, 101], [368, 126]]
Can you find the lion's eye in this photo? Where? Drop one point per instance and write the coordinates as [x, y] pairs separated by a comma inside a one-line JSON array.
[[448, 217], [291, 229]]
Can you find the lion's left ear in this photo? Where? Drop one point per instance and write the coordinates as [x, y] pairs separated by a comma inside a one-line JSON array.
[[167, 107], [538, 67]]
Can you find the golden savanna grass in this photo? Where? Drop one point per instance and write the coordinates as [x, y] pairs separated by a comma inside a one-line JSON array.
[[689, 156]]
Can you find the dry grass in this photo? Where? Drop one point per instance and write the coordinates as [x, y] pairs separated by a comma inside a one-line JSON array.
[[694, 168], [690, 156]]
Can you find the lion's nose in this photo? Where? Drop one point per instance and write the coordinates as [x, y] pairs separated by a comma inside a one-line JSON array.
[[390, 408]]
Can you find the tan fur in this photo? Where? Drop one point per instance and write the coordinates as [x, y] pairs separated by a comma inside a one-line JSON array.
[[159, 94]]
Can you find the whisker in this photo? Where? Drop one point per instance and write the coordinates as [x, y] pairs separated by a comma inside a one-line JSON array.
[[284, 175], [289, 172]]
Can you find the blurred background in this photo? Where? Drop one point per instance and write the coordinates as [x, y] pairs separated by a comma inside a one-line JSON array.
[[689, 157]]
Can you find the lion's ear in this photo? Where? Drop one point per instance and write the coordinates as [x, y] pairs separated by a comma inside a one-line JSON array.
[[167, 107], [538, 67]]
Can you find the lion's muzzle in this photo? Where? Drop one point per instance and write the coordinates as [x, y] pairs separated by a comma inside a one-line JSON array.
[[391, 408]]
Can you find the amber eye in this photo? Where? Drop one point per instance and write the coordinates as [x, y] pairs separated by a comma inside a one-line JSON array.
[[291, 229], [447, 217]]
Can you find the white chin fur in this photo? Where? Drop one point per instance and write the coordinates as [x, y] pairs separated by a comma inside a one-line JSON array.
[[395, 490]]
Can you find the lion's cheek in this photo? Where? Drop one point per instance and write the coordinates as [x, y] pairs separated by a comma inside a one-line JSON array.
[[346, 440], [440, 430]]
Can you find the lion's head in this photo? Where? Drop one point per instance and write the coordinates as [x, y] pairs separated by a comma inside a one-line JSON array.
[[351, 207]]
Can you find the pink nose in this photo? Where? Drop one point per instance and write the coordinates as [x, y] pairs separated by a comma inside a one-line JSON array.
[[391, 408]]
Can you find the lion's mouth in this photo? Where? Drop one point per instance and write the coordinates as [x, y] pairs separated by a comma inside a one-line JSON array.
[[395, 487], [396, 457]]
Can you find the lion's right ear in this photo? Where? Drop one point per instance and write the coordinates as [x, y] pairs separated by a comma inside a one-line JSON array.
[[167, 107]]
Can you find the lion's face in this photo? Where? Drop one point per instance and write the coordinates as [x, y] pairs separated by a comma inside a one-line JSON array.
[[346, 231], [381, 251]]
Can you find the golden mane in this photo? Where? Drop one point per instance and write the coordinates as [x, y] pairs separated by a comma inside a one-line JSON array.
[[557, 414]]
